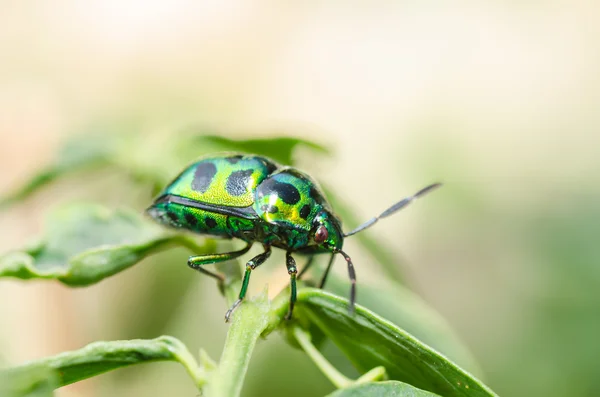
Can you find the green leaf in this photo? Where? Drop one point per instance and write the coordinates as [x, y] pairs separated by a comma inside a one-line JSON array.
[[370, 341], [401, 306], [100, 357], [31, 381], [83, 151], [85, 243], [382, 389], [279, 149]]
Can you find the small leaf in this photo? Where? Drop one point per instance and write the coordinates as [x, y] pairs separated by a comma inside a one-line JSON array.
[[86, 243], [279, 149], [370, 341], [30, 381], [382, 389], [80, 152], [99, 357]]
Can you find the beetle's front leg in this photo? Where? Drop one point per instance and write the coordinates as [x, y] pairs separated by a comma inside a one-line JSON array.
[[251, 265], [292, 271]]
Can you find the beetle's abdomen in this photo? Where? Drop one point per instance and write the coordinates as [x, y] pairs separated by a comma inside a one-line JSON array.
[[202, 221], [225, 181]]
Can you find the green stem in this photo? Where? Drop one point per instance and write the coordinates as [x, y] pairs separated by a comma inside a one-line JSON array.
[[248, 322], [335, 376], [374, 375]]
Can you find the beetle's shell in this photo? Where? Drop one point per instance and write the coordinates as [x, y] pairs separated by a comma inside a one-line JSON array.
[[224, 181], [248, 197]]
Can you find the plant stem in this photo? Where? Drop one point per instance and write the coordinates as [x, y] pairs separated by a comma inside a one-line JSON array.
[[248, 322], [335, 376]]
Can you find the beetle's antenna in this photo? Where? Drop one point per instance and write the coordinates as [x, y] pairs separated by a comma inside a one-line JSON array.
[[394, 208]]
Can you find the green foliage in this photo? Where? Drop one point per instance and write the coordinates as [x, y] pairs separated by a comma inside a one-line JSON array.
[[369, 341], [396, 303], [83, 152], [100, 357], [382, 389], [279, 149], [84, 243], [28, 381]]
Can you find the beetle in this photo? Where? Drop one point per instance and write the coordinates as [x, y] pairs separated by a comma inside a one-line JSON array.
[[252, 198]]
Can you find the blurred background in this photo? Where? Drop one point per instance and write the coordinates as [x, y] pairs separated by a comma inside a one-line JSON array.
[[499, 100]]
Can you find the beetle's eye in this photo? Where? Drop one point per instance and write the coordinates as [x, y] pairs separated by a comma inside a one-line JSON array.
[[321, 234]]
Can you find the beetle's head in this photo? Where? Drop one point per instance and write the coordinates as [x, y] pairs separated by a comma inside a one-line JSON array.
[[327, 231]]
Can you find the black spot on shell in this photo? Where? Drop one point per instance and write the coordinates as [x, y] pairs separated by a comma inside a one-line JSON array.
[[237, 183], [234, 159], [210, 222], [203, 176], [305, 211], [286, 192], [271, 209], [172, 216], [191, 219]]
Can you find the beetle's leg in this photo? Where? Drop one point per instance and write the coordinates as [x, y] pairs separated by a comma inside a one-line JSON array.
[[324, 279], [292, 271], [309, 263], [251, 265], [196, 262]]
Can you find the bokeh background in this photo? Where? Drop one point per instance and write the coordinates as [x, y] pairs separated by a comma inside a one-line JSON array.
[[498, 99]]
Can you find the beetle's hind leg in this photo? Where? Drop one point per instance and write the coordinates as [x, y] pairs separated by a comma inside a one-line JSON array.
[[251, 265], [292, 271], [196, 262]]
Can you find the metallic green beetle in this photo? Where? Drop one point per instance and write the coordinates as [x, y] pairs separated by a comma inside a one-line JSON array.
[[254, 199]]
